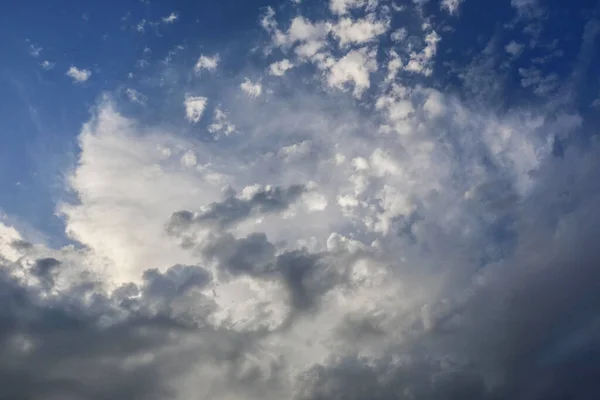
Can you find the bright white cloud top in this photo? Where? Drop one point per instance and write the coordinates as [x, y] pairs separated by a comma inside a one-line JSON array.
[[207, 62], [78, 75], [194, 107], [355, 230], [252, 89]]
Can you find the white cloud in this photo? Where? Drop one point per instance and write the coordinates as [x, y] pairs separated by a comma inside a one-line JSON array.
[[189, 159], [420, 63], [79, 75], [221, 123], [451, 5], [341, 7], [135, 96], [398, 35], [279, 68], [354, 67], [47, 65], [128, 177], [194, 108], [359, 31], [207, 62], [513, 48], [35, 50], [141, 26], [171, 18], [394, 65], [252, 89], [302, 30]]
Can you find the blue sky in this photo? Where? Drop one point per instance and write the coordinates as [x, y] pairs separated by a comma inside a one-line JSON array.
[[43, 111], [300, 199]]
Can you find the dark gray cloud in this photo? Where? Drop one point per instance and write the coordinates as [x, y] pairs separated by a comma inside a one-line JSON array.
[[307, 276], [83, 343], [267, 200]]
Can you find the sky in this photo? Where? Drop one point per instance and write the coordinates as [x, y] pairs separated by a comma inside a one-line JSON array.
[[300, 199]]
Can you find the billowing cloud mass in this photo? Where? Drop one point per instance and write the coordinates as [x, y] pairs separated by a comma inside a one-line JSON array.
[[384, 222], [79, 75]]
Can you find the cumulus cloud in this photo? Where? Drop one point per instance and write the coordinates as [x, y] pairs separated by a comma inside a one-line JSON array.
[[451, 5], [252, 89], [78, 75], [207, 62], [359, 31], [171, 18], [355, 67], [420, 61], [369, 232], [221, 123], [194, 107], [513, 48], [343, 6], [279, 68]]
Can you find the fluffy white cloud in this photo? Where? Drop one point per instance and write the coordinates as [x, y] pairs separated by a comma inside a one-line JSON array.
[[420, 62], [79, 75], [343, 6], [252, 89], [194, 107], [279, 68], [359, 31], [221, 123], [355, 67], [207, 62], [451, 5], [171, 18]]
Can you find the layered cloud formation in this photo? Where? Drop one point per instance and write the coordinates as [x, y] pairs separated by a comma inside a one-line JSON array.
[[331, 224]]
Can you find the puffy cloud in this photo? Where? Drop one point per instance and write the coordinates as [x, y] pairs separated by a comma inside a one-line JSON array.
[[343, 6], [78, 75], [221, 124], [513, 48], [420, 62], [252, 89], [359, 31], [451, 5], [171, 18], [207, 62], [194, 107], [355, 67], [279, 68]]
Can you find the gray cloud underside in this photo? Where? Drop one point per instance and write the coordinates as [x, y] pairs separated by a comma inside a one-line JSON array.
[[527, 328]]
